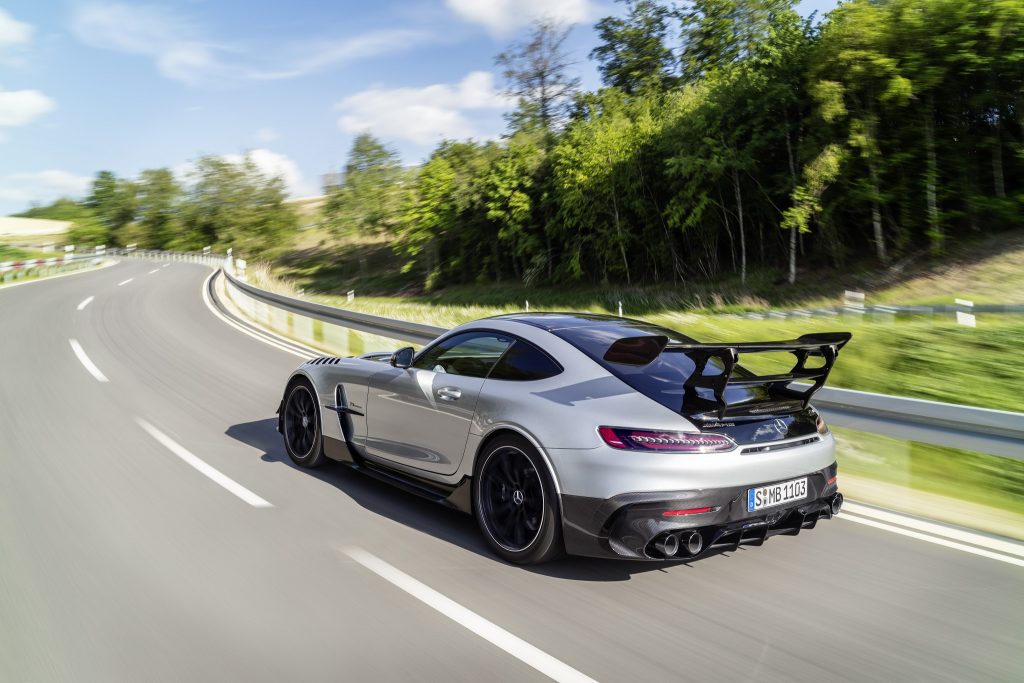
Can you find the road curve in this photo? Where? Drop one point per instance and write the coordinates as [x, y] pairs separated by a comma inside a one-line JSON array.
[[133, 545]]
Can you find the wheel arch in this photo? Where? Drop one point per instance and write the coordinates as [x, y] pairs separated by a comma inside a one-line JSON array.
[[500, 430], [296, 377]]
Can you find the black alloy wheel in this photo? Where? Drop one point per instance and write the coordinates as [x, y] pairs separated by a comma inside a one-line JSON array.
[[302, 436], [515, 502]]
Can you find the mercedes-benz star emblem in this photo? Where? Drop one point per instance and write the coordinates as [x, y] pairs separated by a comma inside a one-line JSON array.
[[517, 497]]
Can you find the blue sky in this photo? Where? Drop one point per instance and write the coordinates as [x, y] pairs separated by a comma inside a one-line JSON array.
[[102, 84]]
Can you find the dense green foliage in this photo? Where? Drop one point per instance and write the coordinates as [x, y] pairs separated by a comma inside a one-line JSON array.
[[733, 135], [223, 204]]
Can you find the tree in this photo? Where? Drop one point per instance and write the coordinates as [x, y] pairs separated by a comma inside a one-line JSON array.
[[158, 207], [536, 72], [369, 200], [511, 198], [717, 33], [445, 215], [235, 205], [112, 201], [633, 55]]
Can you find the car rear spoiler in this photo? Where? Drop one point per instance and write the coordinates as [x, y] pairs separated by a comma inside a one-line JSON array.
[[825, 345]]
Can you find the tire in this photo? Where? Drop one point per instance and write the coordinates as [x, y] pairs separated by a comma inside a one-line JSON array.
[[515, 503], [300, 419]]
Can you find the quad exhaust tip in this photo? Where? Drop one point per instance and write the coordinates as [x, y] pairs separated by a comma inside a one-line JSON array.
[[694, 543], [837, 503], [668, 545]]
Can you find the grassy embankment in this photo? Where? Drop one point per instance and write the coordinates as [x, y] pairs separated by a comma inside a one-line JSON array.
[[9, 253], [924, 357]]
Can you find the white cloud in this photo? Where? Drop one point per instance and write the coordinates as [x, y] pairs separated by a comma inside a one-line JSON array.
[[12, 31], [183, 52], [19, 107], [422, 115], [271, 164], [266, 135], [274, 165], [42, 186], [502, 17]]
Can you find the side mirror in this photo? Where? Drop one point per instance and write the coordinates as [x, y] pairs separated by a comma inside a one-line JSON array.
[[402, 358]]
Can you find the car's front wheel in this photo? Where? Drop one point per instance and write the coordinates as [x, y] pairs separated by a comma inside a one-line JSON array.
[[303, 438], [515, 502]]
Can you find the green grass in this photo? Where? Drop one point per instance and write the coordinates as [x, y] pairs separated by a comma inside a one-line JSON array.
[[975, 477], [9, 253], [992, 486]]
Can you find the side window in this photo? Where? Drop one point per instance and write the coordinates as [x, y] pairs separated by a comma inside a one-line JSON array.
[[524, 362], [472, 354]]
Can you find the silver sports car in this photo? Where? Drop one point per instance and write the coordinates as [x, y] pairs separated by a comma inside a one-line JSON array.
[[586, 434]]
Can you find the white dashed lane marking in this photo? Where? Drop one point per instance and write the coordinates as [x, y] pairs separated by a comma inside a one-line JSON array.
[[84, 360], [209, 471]]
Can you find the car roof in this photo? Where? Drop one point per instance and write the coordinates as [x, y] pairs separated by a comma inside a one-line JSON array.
[[555, 322]]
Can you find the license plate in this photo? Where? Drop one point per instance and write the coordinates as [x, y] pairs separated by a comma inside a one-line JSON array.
[[776, 494]]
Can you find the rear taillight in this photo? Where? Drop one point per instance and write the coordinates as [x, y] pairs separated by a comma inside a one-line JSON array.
[[676, 442], [688, 511]]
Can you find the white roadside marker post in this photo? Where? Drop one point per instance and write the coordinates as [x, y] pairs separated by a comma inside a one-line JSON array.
[[966, 317]]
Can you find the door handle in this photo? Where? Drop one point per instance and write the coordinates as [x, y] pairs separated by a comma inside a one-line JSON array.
[[449, 393]]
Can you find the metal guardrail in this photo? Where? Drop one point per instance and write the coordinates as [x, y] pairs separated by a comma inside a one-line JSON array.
[[882, 310], [203, 258], [17, 270]]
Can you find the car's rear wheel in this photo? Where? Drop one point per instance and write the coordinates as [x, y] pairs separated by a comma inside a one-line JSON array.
[[515, 502], [303, 438]]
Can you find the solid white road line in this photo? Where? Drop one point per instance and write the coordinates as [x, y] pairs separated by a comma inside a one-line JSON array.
[[84, 360], [515, 646], [124, 282], [212, 473], [265, 339], [155, 270], [933, 539], [997, 544], [85, 303]]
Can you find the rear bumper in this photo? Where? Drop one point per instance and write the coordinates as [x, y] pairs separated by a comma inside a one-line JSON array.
[[629, 525]]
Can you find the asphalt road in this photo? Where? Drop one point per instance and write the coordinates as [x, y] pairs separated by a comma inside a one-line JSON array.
[[121, 559]]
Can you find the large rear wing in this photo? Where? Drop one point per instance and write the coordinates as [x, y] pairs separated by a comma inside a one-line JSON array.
[[824, 345]]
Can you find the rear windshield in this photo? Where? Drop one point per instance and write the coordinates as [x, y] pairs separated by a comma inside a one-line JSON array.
[[661, 380]]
